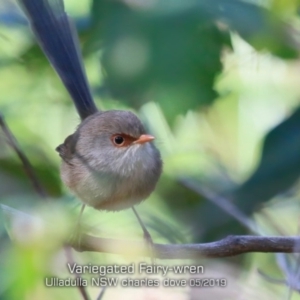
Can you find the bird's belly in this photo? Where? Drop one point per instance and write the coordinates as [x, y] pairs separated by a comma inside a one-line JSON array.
[[102, 192]]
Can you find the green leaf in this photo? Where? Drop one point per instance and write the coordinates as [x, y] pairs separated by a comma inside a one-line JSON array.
[[279, 167], [172, 56]]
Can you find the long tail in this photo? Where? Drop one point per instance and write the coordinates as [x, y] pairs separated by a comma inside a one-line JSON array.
[[58, 39]]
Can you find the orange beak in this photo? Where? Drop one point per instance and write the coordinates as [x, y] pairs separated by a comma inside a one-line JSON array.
[[144, 138]]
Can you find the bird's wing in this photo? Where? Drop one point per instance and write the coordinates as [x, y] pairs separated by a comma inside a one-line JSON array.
[[67, 149]]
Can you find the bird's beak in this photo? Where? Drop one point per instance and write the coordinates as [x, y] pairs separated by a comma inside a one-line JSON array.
[[144, 138]]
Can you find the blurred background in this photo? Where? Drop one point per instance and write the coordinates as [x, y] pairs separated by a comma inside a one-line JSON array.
[[217, 83]]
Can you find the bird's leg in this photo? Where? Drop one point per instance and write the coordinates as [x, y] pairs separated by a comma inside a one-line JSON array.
[[79, 217], [76, 236], [147, 236]]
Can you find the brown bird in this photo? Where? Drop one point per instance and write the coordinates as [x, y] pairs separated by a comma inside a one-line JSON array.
[[110, 162]]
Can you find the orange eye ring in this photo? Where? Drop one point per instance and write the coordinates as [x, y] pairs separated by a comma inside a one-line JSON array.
[[118, 140], [122, 140]]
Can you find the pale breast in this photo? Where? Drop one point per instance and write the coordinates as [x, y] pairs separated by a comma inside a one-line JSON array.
[[102, 190]]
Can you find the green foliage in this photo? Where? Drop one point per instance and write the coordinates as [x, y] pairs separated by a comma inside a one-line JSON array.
[[172, 52], [146, 54], [279, 167], [210, 79]]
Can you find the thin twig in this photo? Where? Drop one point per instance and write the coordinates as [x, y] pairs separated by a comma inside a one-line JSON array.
[[70, 260], [11, 140], [221, 202], [101, 293], [271, 279]]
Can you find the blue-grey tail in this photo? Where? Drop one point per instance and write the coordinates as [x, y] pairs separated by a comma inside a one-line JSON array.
[[58, 39]]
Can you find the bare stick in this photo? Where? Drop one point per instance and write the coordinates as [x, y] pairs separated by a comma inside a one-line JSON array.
[[271, 279], [70, 259], [101, 293], [223, 203], [11, 140]]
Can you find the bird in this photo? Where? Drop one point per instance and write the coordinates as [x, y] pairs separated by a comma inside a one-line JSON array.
[[110, 161]]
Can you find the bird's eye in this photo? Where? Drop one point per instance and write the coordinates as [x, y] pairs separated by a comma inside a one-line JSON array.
[[118, 140], [122, 140]]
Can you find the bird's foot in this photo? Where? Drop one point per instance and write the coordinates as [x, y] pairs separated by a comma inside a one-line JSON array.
[[75, 239], [150, 246]]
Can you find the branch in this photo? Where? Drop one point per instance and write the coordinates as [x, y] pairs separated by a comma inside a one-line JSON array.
[[229, 246]]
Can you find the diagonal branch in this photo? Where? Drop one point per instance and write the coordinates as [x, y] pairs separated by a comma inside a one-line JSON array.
[[228, 207], [11, 140]]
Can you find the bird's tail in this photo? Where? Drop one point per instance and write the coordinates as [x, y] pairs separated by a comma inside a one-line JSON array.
[[58, 39]]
